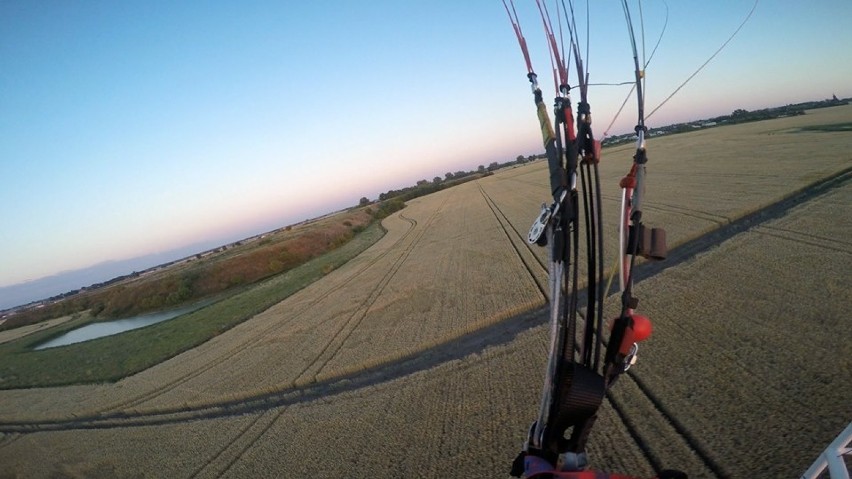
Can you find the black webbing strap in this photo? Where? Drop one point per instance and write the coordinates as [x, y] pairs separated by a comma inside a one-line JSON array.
[[577, 402]]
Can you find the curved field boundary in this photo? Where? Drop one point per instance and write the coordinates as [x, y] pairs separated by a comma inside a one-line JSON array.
[[249, 342], [309, 372]]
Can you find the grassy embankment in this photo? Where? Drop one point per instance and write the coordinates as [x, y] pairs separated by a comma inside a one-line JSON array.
[[114, 357]]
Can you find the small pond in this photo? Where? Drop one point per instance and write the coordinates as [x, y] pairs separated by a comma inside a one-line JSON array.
[[108, 328]]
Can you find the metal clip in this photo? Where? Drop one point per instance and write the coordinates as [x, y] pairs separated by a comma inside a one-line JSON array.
[[631, 358]]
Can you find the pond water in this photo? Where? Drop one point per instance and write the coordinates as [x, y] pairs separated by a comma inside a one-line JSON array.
[[108, 328]]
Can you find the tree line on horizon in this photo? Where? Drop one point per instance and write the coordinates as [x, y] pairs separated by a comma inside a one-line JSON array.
[[739, 115], [424, 187]]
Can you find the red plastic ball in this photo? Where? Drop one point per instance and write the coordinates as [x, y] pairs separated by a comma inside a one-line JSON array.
[[641, 327]]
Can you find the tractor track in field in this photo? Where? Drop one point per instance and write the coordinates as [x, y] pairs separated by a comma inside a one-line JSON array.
[[523, 251], [680, 210], [8, 439], [805, 238], [267, 405], [689, 249], [221, 462], [346, 329]]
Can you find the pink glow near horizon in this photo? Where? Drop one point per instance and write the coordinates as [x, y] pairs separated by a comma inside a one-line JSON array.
[[195, 124]]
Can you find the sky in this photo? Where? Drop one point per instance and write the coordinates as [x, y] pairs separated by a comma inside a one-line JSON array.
[[138, 127]]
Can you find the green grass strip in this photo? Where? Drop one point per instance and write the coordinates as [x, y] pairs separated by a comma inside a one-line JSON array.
[[111, 358]]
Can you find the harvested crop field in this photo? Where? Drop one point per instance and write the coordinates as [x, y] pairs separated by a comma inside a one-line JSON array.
[[415, 357]]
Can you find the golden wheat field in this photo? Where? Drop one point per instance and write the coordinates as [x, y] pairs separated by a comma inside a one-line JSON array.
[[745, 375]]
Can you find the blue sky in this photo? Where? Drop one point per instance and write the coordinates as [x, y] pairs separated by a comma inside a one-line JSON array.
[[129, 128]]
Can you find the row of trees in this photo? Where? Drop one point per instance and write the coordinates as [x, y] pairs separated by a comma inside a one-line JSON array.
[[425, 187]]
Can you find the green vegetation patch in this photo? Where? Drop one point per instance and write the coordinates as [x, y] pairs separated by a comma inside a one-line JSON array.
[[833, 127], [114, 357]]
